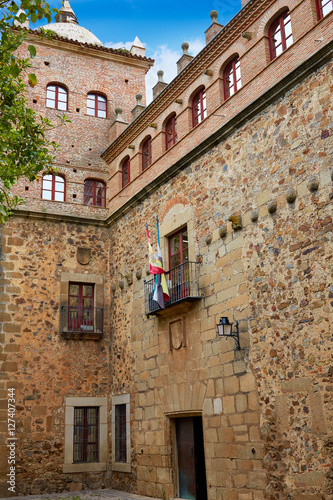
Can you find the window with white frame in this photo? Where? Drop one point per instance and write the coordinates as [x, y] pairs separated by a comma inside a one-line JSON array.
[[85, 434]]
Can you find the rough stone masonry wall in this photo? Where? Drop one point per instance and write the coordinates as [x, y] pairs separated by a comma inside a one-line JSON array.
[[35, 359], [274, 396]]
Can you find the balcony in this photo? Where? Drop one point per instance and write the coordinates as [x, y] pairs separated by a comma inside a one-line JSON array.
[[82, 322], [183, 286]]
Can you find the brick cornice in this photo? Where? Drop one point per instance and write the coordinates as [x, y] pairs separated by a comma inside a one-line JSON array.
[[209, 53], [60, 218], [291, 80], [95, 50], [287, 83]]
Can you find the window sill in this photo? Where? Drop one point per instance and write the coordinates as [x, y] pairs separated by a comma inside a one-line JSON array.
[[91, 467], [56, 109], [120, 467], [99, 117], [81, 335], [95, 206]]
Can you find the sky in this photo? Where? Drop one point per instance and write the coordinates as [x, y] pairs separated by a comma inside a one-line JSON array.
[[161, 27]]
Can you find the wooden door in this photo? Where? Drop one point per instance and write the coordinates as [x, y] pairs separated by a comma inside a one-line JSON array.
[[190, 458]]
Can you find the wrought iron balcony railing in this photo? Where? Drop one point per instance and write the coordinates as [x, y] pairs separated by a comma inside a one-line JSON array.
[[83, 320], [183, 285]]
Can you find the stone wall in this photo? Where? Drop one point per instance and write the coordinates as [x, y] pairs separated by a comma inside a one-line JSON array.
[[258, 208], [38, 260], [266, 409]]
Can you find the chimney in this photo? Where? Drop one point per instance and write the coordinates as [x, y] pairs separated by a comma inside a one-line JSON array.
[[214, 28], [185, 59], [160, 85], [137, 48], [17, 23], [66, 14], [138, 108], [118, 126]]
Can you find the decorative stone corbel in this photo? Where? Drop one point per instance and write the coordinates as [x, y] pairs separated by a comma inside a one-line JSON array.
[[236, 222]]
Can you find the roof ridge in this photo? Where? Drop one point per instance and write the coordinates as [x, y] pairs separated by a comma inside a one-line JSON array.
[[92, 46]]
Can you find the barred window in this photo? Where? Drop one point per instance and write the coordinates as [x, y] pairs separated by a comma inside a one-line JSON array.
[[120, 430], [86, 435]]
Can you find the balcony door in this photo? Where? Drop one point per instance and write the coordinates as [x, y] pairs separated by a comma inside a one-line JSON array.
[[81, 307], [179, 265]]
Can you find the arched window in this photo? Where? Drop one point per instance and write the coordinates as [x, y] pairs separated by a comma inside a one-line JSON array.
[[280, 35], [170, 132], [125, 171], [146, 153], [96, 105], [199, 109], [94, 193], [232, 78], [56, 97], [324, 7], [53, 188]]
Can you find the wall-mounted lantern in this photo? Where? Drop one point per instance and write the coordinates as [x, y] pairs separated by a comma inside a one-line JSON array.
[[224, 329]]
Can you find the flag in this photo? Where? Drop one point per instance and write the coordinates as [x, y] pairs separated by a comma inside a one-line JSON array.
[[161, 292]]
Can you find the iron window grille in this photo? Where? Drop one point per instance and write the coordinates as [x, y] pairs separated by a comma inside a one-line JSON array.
[[80, 315], [183, 285], [120, 433], [86, 435], [96, 105], [280, 35], [53, 187], [94, 193], [56, 97], [76, 319], [232, 78]]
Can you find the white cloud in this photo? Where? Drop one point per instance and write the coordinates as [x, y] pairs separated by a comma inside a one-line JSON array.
[[119, 45], [196, 45], [166, 60]]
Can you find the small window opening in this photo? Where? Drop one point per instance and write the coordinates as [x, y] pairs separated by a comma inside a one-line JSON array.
[[77, 110], [46, 63], [74, 195], [74, 170], [27, 188], [34, 101]]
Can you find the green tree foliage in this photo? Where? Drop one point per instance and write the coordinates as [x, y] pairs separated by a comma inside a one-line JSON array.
[[24, 148]]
